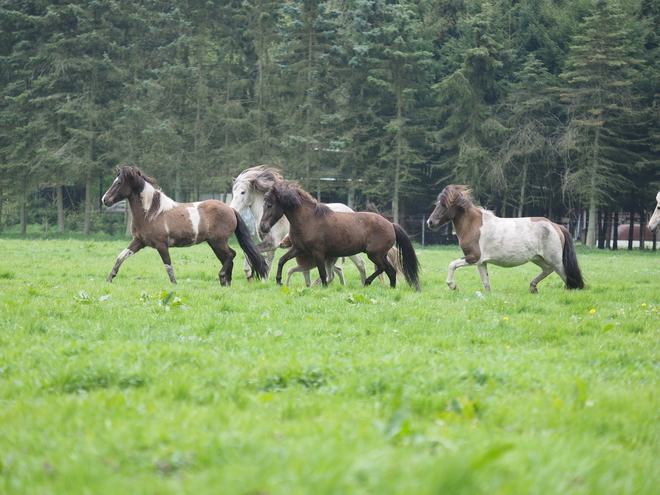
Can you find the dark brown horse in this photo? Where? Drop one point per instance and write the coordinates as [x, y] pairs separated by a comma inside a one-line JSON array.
[[317, 230], [161, 223]]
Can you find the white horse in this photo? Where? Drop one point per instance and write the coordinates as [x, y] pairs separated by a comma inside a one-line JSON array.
[[654, 223], [249, 190], [485, 238]]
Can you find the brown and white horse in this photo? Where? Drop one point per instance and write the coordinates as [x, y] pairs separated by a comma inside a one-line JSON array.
[[485, 238], [317, 230], [654, 222], [161, 223]]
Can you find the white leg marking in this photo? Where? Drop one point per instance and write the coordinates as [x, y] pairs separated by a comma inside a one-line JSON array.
[[450, 274], [125, 254]]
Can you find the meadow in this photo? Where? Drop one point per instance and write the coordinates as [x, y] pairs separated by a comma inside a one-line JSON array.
[[140, 386]]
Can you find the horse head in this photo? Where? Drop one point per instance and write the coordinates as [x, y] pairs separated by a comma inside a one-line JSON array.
[[129, 180], [451, 200], [654, 222], [250, 182], [283, 195]]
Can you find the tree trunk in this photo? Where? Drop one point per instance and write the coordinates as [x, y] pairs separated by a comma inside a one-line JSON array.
[[22, 211], [631, 231], [59, 200], [615, 231], [642, 228], [521, 200], [591, 222], [88, 206]]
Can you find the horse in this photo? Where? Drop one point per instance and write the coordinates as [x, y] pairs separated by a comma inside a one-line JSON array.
[[485, 238], [323, 233], [305, 263], [248, 191], [161, 223], [654, 222]]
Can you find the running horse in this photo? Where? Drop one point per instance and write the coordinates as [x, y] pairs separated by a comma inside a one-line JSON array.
[[323, 233], [654, 222], [248, 191], [485, 238], [161, 223]]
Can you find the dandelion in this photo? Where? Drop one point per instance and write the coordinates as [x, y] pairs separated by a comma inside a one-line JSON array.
[[505, 318], [508, 347], [592, 311], [643, 304], [263, 358]]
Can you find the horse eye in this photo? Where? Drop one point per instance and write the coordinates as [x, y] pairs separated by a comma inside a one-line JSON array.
[[242, 192]]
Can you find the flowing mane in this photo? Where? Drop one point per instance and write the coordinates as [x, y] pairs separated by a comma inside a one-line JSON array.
[[290, 195], [260, 178], [154, 201], [454, 195]]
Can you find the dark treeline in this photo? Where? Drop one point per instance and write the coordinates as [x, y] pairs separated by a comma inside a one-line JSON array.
[[544, 107]]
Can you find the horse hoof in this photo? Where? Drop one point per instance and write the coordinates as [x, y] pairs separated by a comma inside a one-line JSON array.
[[533, 290], [249, 279], [453, 287]]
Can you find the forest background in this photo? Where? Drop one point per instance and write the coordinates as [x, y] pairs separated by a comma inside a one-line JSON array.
[[542, 107]]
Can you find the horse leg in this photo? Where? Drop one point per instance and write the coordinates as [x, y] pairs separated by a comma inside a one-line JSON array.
[[290, 254], [164, 252], [452, 268], [361, 266], [132, 248], [340, 273], [483, 272], [295, 269], [382, 265], [320, 260], [546, 270], [226, 256]]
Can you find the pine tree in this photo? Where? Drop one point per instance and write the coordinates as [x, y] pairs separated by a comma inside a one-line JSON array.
[[603, 131]]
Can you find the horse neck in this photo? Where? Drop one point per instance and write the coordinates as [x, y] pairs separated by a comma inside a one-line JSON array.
[[138, 214], [257, 207], [466, 221], [300, 216]]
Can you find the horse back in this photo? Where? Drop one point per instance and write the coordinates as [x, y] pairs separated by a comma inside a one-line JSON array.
[[191, 223], [358, 232]]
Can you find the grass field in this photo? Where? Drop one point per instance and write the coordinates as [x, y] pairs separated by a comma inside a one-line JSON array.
[[141, 386]]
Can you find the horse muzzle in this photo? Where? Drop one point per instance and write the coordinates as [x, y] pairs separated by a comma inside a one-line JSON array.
[[264, 229]]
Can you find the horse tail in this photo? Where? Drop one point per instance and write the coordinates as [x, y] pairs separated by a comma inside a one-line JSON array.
[[254, 258], [574, 278], [407, 257]]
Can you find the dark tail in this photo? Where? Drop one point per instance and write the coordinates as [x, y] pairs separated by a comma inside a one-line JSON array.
[[254, 258], [407, 257], [569, 257]]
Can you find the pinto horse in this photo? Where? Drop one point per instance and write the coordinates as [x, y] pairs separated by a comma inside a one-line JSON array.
[[485, 238], [248, 192], [161, 223], [654, 222], [322, 233]]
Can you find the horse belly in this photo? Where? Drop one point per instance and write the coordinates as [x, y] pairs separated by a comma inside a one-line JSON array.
[[518, 241]]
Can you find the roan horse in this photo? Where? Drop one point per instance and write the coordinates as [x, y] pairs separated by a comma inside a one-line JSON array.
[[317, 230], [485, 238], [161, 223], [248, 192], [654, 222]]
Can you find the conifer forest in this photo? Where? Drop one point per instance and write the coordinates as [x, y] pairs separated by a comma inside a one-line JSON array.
[[541, 107]]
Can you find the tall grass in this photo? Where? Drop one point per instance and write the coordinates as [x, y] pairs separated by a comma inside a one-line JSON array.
[[148, 387]]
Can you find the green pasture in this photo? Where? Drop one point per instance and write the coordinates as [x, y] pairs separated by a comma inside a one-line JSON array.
[[144, 387]]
